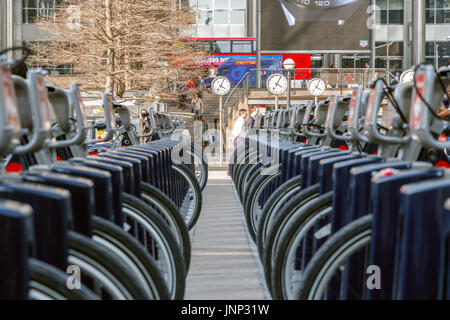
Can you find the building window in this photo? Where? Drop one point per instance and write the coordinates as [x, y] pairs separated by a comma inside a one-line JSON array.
[[437, 11], [391, 48], [391, 11], [389, 55], [34, 10], [220, 17], [438, 50], [223, 46], [242, 46]]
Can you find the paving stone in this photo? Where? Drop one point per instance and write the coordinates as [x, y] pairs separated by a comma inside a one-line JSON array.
[[223, 265]]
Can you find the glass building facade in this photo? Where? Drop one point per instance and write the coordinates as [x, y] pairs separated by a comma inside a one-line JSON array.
[[220, 18], [225, 21]]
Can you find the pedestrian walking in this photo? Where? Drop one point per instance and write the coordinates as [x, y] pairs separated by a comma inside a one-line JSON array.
[[212, 72], [238, 133], [197, 108], [239, 128], [250, 122], [182, 101], [145, 126]]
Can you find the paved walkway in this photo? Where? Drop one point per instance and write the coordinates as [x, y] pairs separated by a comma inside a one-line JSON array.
[[222, 263]]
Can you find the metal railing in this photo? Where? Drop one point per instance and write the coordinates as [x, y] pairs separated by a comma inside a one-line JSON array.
[[240, 91], [342, 78]]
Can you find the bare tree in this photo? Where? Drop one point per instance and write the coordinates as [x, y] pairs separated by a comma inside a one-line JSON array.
[[122, 46]]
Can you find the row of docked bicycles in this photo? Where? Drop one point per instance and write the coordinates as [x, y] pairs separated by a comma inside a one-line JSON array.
[[342, 205], [78, 222]]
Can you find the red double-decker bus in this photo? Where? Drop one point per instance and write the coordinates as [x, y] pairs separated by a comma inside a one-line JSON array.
[[235, 56]]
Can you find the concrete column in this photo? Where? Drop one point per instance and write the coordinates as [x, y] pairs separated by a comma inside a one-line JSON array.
[[419, 34], [326, 60], [3, 25], [338, 60], [372, 34], [10, 27], [258, 44], [251, 18], [407, 34]]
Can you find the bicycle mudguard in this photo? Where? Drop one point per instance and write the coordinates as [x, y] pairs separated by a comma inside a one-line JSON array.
[[314, 163], [158, 166], [148, 177], [296, 170], [423, 217], [155, 178], [444, 290], [284, 160], [341, 182], [16, 233], [165, 163], [359, 206], [145, 163], [127, 171], [52, 208], [137, 169], [102, 186], [326, 171], [291, 158], [81, 190], [359, 185], [305, 171], [386, 205], [117, 184]]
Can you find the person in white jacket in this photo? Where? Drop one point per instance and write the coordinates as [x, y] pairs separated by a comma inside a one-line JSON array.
[[239, 128], [238, 132]]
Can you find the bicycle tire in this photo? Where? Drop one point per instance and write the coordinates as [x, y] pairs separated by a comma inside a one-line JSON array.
[[354, 235], [246, 171], [251, 181], [275, 228], [155, 197], [255, 191], [273, 205], [134, 254], [249, 174], [104, 266], [187, 174], [203, 179], [241, 172], [48, 282], [154, 224], [288, 240]]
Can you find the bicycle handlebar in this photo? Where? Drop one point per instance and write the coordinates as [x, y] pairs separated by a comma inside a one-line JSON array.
[[421, 119], [305, 124], [109, 119], [74, 100], [39, 134], [361, 98], [371, 124]]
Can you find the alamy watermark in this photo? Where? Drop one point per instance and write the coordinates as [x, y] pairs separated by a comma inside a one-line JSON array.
[[74, 280], [374, 280], [235, 151]]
